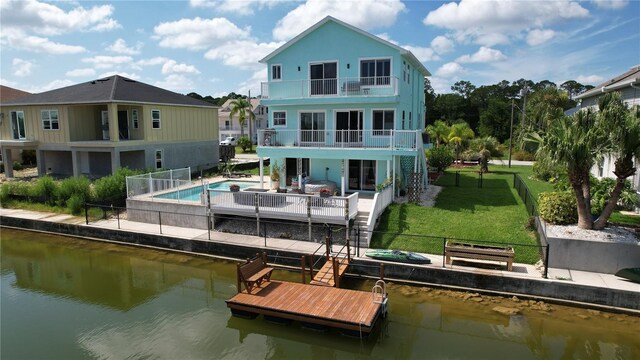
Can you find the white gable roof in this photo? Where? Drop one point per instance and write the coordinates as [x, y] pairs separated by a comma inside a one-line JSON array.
[[416, 63]]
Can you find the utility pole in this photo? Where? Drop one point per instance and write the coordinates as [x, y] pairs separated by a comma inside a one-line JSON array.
[[250, 134], [511, 132], [524, 104]]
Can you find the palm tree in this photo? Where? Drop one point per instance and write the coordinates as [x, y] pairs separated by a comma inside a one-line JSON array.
[[484, 147], [623, 127], [242, 108], [438, 132], [459, 135], [575, 142]]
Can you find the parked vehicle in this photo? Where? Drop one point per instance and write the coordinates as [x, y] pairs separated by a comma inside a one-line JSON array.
[[229, 141]]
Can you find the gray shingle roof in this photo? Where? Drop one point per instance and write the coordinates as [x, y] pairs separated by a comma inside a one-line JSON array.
[[633, 73], [110, 89]]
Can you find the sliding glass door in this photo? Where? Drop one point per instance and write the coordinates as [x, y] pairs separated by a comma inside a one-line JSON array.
[[349, 127], [323, 78], [362, 175], [312, 128]]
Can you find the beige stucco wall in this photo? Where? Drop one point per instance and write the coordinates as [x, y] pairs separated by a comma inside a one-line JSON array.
[[33, 123], [178, 123]]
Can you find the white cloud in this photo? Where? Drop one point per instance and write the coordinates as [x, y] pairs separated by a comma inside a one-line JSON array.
[[611, 4], [21, 67], [449, 70], [589, 79], [253, 83], [120, 47], [243, 54], [483, 55], [537, 36], [198, 34], [481, 21], [158, 60], [105, 62], [19, 40], [44, 18], [442, 44], [172, 67], [176, 82], [422, 53], [386, 37], [364, 14], [55, 84], [81, 72], [440, 85], [236, 7], [132, 76]]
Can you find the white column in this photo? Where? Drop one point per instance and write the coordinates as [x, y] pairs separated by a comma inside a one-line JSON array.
[[261, 173], [75, 163], [8, 162], [270, 172], [42, 170], [388, 169], [115, 160], [393, 179], [342, 180]]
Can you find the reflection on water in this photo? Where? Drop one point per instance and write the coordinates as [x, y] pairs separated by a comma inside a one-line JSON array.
[[65, 298]]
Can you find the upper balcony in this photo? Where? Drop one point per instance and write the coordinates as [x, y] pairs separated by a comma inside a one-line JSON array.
[[340, 87], [340, 139]]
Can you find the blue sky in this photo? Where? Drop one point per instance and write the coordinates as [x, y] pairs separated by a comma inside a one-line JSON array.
[[212, 47]]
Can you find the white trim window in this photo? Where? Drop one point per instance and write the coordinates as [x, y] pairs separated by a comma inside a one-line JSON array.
[[312, 126], [134, 118], [159, 159], [375, 72], [155, 119], [279, 118], [383, 122], [276, 72], [18, 131], [50, 120]]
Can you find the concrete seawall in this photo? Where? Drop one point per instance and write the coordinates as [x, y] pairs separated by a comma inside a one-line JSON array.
[[547, 288]]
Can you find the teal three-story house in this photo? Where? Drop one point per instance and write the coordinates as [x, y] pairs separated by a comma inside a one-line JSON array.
[[346, 107]]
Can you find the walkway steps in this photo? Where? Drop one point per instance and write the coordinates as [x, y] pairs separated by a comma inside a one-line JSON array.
[[325, 276], [361, 222]]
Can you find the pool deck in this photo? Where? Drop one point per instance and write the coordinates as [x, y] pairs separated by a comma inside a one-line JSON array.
[[599, 281]]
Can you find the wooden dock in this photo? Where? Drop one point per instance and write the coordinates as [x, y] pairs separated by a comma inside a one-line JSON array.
[[348, 310], [331, 272]]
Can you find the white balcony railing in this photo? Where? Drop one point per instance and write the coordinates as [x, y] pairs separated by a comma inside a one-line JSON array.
[[341, 87], [391, 139]]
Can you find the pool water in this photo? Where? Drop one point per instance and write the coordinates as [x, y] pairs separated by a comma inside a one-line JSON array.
[[193, 194]]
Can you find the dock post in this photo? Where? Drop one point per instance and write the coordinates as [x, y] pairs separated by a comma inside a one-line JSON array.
[[336, 271], [239, 286], [303, 261], [311, 267], [327, 243]]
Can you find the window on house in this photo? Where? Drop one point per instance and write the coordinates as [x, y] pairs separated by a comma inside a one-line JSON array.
[[276, 72], [402, 119], [134, 118], [155, 119], [279, 118], [227, 124], [50, 119], [375, 72], [18, 131], [159, 159], [410, 122], [408, 74], [404, 71], [382, 122]]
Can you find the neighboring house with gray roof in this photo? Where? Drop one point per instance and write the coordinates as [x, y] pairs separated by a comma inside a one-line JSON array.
[[96, 127], [231, 127], [628, 84]]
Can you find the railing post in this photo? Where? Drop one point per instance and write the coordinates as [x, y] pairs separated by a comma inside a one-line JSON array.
[[160, 221], [310, 267], [303, 261], [264, 231], [86, 213], [546, 263], [327, 243], [348, 247], [444, 251], [118, 217], [336, 271], [358, 241]]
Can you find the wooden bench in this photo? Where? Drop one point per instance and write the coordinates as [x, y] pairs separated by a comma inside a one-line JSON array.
[[253, 272], [479, 252]]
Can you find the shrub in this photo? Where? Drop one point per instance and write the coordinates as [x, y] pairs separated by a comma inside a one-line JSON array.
[[113, 188], [547, 172], [440, 157], [45, 188], [244, 143], [558, 208], [4, 194], [523, 156], [17, 166], [79, 187], [601, 193], [75, 204]]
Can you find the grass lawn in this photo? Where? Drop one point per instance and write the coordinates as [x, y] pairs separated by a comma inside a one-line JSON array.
[[493, 213]]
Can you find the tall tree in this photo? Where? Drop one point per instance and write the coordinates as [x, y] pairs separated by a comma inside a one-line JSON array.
[[575, 142], [242, 108], [463, 88], [459, 136], [623, 127], [438, 132]]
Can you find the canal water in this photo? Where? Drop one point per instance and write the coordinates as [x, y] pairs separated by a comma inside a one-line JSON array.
[[64, 298]]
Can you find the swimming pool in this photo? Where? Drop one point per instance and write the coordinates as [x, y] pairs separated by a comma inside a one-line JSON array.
[[193, 193]]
